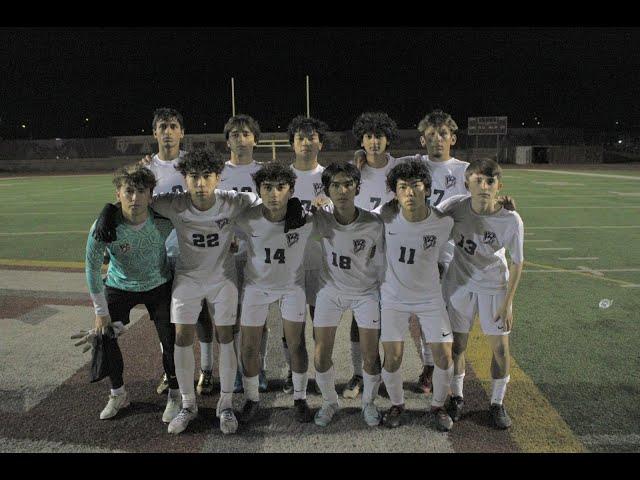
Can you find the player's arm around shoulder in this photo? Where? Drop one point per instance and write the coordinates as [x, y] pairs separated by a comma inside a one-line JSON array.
[[171, 203]]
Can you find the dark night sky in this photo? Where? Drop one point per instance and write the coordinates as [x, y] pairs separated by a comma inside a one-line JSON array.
[[569, 77]]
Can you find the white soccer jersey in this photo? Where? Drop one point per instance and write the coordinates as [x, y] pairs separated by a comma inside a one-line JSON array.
[[411, 251], [308, 185], [351, 254], [275, 258], [204, 236], [168, 178], [238, 177], [479, 262], [373, 185]]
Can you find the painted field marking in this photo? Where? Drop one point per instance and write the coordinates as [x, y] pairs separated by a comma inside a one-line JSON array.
[[602, 175], [529, 234], [529, 241], [16, 262], [537, 426], [627, 194], [551, 269], [577, 258], [17, 214], [611, 439], [581, 208], [631, 285], [584, 269], [554, 248], [581, 227], [559, 184], [17, 234], [597, 273], [7, 184]]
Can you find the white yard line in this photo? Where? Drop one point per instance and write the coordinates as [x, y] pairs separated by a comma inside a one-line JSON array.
[[65, 212], [18, 234], [559, 184], [581, 227], [529, 241], [617, 207], [555, 248], [597, 273], [577, 258], [603, 175], [631, 285], [627, 194], [558, 270], [529, 234]]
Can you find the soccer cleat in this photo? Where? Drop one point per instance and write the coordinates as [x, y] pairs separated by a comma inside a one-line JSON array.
[[354, 387], [114, 405], [205, 383], [249, 411], [237, 384], [303, 413], [454, 408], [393, 417], [424, 380], [288, 384], [228, 421], [324, 416], [499, 417], [174, 404], [371, 415], [182, 420], [263, 383], [441, 419], [163, 386]]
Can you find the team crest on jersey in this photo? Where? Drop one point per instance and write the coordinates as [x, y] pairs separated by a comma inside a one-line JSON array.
[[125, 247], [222, 223], [292, 239], [450, 181], [428, 241], [317, 188], [489, 238], [358, 245]]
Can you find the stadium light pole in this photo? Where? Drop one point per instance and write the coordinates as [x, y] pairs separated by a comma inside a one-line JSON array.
[[233, 99], [308, 97]]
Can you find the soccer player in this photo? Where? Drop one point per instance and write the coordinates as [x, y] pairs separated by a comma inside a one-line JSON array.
[[168, 130], [138, 273], [411, 286], [274, 272], [374, 133], [306, 135], [479, 280], [352, 243]]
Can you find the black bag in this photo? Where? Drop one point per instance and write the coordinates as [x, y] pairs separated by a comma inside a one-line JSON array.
[[105, 351]]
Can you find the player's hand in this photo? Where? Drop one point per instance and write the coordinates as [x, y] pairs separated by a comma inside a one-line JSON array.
[[102, 322], [145, 161], [295, 216], [234, 246], [320, 201], [507, 202], [105, 230], [360, 159], [505, 315], [86, 337]]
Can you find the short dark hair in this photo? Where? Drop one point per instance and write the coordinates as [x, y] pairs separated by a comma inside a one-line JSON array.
[[202, 160], [166, 113], [307, 125], [407, 171], [436, 119], [240, 121], [484, 166], [378, 123], [340, 167], [135, 175], [275, 172]]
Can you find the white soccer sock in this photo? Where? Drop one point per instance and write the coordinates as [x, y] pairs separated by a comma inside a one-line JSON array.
[[263, 348], [250, 385], [327, 383], [393, 382], [185, 363], [441, 382], [456, 385], [300, 381], [206, 356], [427, 354], [117, 391], [371, 383], [499, 389], [228, 366], [287, 355], [356, 358]]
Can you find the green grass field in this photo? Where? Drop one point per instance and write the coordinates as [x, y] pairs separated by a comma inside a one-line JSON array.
[[581, 238]]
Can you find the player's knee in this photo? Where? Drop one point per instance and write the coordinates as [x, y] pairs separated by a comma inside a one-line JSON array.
[[224, 334]]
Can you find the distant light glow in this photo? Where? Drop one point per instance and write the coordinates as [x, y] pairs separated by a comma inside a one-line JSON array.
[[619, 141], [86, 119], [24, 126]]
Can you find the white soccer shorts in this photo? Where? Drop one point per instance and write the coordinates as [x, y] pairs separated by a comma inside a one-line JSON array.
[[463, 306], [331, 304], [188, 293], [255, 305], [432, 317]]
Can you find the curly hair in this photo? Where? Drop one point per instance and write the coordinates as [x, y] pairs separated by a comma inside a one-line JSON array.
[[436, 119], [200, 161], [275, 172], [307, 125], [240, 121], [483, 166], [407, 171], [165, 113], [378, 123], [334, 169], [135, 175]]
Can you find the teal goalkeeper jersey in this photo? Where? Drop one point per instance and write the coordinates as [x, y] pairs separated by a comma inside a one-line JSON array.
[[138, 260]]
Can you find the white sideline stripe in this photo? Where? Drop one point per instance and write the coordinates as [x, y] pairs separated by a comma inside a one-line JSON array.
[[592, 271], [555, 248], [627, 194], [584, 227], [606, 439], [558, 270], [564, 172], [17, 234], [577, 258], [584, 208], [631, 285]]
